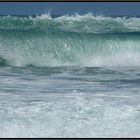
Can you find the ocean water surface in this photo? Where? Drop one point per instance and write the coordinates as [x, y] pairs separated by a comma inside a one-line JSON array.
[[69, 76]]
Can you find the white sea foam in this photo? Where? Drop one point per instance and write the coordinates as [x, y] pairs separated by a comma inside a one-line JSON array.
[[70, 116]]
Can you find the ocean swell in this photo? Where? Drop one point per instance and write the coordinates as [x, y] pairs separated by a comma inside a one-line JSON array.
[[76, 40], [87, 23]]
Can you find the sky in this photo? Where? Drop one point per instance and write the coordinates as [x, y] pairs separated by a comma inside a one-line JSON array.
[[61, 8]]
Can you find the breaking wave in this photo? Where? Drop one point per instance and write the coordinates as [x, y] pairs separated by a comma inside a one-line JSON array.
[[69, 40]]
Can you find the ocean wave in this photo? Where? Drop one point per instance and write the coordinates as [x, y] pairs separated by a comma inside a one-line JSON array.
[[87, 23], [69, 49]]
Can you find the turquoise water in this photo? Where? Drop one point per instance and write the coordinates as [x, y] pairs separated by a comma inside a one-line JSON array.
[[69, 76]]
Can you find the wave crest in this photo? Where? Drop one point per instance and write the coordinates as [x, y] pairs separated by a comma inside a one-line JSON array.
[[87, 23]]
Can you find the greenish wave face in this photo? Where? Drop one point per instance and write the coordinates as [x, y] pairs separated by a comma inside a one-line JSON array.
[[76, 40]]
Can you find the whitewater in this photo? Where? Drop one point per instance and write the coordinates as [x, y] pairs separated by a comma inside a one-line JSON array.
[[69, 76]]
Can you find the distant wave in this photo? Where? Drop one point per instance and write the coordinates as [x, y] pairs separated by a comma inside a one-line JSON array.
[[87, 23]]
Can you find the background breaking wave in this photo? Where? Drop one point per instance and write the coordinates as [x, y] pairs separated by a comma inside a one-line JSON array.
[[76, 40], [87, 23]]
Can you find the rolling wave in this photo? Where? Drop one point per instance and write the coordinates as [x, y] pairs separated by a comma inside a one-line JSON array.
[[76, 40], [87, 23]]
